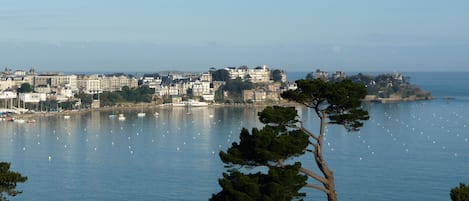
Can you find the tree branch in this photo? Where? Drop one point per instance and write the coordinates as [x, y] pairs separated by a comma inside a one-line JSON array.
[[306, 104], [309, 132], [317, 187], [313, 175], [281, 163]]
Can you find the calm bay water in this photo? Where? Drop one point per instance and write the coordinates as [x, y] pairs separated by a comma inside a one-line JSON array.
[[406, 151]]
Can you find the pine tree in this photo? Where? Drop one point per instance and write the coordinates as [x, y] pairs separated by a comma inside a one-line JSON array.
[[460, 193], [334, 103], [8, 180], [269, 148], [284, 137]]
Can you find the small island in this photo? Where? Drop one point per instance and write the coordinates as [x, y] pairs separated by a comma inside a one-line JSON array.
[[391, 88], [383, 88]]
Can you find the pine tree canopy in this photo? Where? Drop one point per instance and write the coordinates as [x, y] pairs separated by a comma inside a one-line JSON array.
[[8, 180], [338, 101]]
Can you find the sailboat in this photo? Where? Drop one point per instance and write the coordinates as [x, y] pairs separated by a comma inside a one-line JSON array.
[[113, 115], [121, 117], [141, 114]]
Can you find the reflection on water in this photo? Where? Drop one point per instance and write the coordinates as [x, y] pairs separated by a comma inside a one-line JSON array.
[[146, 158], [406, 151]]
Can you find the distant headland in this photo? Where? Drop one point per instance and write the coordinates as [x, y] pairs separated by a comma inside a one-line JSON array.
[[391, 87]]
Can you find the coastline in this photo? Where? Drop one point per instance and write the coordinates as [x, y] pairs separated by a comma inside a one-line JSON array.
[[395, 99], [136, 106]]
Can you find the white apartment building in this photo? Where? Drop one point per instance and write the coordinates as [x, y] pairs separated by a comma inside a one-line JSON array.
[[64, 94], [256, 75], [323, 75], [32, 97], [19, 73], [6, 83], [89, 84], [7, 94], [152, 82], [56, 80], [167, 90], [175, 89], [291, 86], [339, 75], [6, 99], [200, 88], [116, 82], [207, 77]]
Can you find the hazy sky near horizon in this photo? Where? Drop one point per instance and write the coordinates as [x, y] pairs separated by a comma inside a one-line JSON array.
[[300, 35]]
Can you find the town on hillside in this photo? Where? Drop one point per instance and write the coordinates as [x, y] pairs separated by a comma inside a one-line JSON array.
[[30, 91]]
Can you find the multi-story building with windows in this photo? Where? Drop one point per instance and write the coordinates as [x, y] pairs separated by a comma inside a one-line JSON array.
[[115, 82], [56, 80], [323, 75], [6, 83], [90, 84], [151, 82], [256, 75], [339, 75]]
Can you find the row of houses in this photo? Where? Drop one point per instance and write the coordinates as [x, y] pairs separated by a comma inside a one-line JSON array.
[[76, 83], [63, 87], [260, 74]]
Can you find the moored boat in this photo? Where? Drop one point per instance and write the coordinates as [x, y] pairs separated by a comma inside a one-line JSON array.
[[121, 117], [190, 103], [194, 103], [19, 120]]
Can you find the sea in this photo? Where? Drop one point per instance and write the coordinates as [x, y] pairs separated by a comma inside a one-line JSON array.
[[406, 151]]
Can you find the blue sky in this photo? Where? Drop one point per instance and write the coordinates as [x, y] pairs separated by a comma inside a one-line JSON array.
[[299, 35]]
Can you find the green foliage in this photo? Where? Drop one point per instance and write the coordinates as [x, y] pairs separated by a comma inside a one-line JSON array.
[[86, 99], [25, 88], [310, 76], [110, 98], [237, 85], [68, 105], [277, 75], [268, 147], [219, 95], [386, 85], [334, 103], [339, 101], [279, 116], [220, 75], [8, 181], [51, 105], [460, 193], [235, 88], [280, 184], [135, 95]]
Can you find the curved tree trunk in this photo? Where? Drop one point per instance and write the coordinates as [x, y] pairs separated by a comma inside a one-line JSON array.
[[322, 165]]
